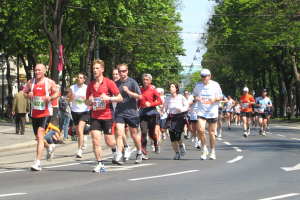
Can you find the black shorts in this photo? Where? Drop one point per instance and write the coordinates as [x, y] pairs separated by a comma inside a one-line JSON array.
[[132, 122], [104, 125], [163, 123], [209, 120], [246, 114], [80, 116], [263, 115], [40, 123]]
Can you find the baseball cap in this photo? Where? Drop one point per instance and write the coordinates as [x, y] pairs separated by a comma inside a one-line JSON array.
[[205, 72], [245, 89]]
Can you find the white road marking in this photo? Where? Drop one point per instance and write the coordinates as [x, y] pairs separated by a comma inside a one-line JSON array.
[[12, 194], [237, 149], [227, 143], [281, 196], [294, 168], [126, 168], [163, 175], [281, 135], [235, 159], [57, 166], [10, 171], [295, 139]]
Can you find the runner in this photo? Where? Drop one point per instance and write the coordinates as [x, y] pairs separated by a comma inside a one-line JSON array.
[[228, 108], [247, 101], [79, 110], [41, 90], [176, 106], [163, 114], [100, 93], [192, 122], [264, 104], [207, 93], [127, 152], [220, 118], [126, 112], [149, 116], [237, 113], [187, 126]]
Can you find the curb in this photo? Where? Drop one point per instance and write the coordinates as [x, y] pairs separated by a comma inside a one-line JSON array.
[[18, 146]]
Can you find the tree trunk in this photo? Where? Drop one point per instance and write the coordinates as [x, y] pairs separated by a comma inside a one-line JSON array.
[[92, 40], [9, 88]]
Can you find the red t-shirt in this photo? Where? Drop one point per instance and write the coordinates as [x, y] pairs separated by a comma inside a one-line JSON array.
[[151, 95], [102, 109], [38, 107]]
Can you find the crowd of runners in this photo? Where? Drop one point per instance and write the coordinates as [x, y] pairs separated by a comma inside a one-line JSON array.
[[119, 108]]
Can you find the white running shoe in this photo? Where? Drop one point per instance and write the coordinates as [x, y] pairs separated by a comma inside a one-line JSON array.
[[79, 153], [50, 151], [245, 134], [99, 168], [36, 166], [139, 158], [127, 153], [118, 159], [212, 155], [204, 153], [263, 133], [177, 156], [182, 150]]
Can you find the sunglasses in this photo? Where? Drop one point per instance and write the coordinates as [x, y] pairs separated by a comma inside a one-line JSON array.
[[122, 71]]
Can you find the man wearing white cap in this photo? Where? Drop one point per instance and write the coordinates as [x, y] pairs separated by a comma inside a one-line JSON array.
[[207, 95], [247, 101]]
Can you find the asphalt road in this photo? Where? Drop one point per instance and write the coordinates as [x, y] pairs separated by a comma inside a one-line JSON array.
[[257, 167]]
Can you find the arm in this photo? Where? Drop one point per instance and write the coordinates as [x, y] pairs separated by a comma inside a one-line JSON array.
[[157, 100], [132, 94]]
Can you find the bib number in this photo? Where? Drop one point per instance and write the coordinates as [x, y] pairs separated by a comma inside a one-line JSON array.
[[79, 101], [38, 103], [245, 105], [99, 104]]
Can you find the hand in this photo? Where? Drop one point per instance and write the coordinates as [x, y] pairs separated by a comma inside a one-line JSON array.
[[125, 88], [90, 100], [147, 104], [13, 113], [30, 95], [104, 97], [47, 99]]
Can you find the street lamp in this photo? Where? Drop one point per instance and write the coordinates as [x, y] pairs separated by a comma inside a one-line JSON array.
[[2, 57]]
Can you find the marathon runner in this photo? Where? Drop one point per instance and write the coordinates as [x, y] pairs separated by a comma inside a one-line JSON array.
[[264, 104], [247, 101]]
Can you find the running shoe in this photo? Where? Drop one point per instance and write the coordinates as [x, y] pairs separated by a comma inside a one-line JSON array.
[[245, 134], [263, 133], [79, 153], [157, 149], [177, 156], [204, 153], [248, 131], [36, 166], [182, 150], [145, 157], [212, 155], [99, 168], [127, 153], [164, 137], [139, 158], [118, 159], [50, 151]]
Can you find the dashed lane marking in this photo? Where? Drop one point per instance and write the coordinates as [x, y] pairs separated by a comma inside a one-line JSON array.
[[293, 168], [281, 196], [238, 158], [162, 175], [12, 194]]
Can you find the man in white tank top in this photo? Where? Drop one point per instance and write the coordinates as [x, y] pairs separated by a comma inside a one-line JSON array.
[[80, 111]]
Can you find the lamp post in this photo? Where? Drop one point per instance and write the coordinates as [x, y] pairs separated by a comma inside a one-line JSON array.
[[2, 56]]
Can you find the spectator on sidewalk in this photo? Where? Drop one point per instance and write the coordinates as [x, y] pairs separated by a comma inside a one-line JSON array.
[[65, 113], [19, 110]]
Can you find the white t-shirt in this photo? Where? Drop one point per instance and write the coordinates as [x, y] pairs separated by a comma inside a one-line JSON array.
[[207, 92], [175, 105], [78, 103]]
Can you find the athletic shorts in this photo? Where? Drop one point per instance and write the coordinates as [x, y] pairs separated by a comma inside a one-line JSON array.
[[209, 120], [163, 123], [132, 122], [246, 114], [263, 115], [104, 125], [80, 116], [40, 123]]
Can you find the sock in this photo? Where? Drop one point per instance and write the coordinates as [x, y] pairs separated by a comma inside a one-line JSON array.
[[100, 162], [114, 149], [139, 152]]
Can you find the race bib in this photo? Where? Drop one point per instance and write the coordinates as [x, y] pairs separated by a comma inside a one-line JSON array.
[[245, 105], [98, 104], [38, 103]]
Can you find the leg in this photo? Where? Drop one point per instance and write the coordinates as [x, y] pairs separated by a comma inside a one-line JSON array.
[[79, 130], [136, 138], [144, 131], [96, 144], [201, 130]]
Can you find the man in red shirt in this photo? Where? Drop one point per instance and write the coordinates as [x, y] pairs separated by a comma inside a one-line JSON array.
[[41, 91], [149, 116], [247, 101], [100, 93]]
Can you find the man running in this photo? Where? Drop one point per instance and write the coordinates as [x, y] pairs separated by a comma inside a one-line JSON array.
[[126, 112], [228, 111], [149, 116], [264, 105], [41, 90], [247, 101], [100, 93], [80, 111], [207, 93]]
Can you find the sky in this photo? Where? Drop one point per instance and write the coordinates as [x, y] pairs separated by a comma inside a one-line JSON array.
[[195, 15]]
